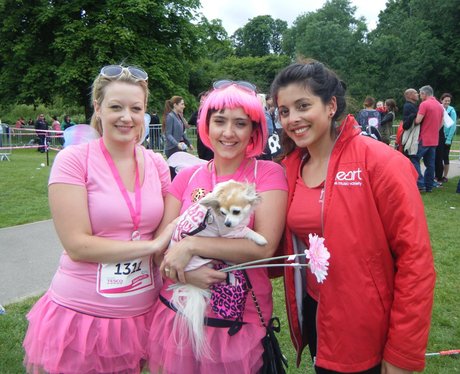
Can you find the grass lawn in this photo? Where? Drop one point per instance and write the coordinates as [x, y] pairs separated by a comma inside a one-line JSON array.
[[24, 200], [24, 195]]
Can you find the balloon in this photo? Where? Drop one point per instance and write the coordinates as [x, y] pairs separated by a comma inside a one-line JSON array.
[[147, 127], [79, 134]]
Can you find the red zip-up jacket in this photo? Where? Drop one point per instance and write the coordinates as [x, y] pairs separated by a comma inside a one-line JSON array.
[[377, 299]]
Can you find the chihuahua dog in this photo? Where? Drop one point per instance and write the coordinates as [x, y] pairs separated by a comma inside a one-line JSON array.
[[224, 212]]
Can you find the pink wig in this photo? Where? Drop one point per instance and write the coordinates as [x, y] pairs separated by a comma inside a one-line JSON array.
[[232, 97]]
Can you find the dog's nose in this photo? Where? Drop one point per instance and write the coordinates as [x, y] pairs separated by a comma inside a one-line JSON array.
[[228, 223]]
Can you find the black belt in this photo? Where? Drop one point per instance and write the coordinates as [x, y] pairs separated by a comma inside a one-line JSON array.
[[232, 325]]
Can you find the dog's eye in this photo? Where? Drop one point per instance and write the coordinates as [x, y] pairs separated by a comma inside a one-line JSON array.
[[235, 212], [223, 212]]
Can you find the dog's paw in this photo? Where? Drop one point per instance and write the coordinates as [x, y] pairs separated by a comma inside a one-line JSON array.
[[257, 238]]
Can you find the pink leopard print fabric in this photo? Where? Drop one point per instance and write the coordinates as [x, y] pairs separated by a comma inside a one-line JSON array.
[[229, 299]]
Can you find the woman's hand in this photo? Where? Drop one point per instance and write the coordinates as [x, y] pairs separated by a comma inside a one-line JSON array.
[[388, 368], [204, 277], [176, 259]]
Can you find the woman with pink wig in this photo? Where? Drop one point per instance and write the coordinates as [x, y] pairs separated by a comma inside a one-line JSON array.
[[231, 123]]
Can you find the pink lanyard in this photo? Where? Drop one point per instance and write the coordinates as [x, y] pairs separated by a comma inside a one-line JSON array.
[[135, 213]]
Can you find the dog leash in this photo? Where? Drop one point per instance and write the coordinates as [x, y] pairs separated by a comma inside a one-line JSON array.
[[200, 227]]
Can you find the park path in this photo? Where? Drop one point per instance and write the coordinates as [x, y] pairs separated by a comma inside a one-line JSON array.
[[29, 258], [30, 255]]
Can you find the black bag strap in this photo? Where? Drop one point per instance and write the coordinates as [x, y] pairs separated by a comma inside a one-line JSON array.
[[274, 322], [233, 326], [254, 298], [272, 349], [200, 227]]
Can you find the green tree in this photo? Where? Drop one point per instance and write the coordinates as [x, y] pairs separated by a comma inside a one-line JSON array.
[[416, 43], [279, 28], [214, 39], [334, 36], [26, 35], [259, 70], [215, 46], [261, 36], [55, 48]]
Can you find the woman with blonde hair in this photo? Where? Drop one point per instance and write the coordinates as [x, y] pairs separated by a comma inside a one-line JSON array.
[[107, 200]]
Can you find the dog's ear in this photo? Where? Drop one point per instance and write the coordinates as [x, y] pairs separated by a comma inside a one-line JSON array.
[[210, 201], [251, 194]]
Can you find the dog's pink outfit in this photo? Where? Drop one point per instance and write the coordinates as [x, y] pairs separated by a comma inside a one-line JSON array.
[[197, 213], [241, 352], [82, 324]]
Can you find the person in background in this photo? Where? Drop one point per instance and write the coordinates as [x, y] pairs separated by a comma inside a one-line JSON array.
[[270, 127], [204, 152], [232, 124], [439, 158], [20, 123], [56, 126], [368, 117], [449, 133], [372, 312], [409, 112], [410, 107], [154, 119], [380, 107], [67, 122], [429, 118], [271, 109], [173, 128], [386, 124], [41, 127], [107, 200], [268, 114], [154, 139]]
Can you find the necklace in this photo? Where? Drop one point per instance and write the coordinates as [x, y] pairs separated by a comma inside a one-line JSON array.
[[135, 212]]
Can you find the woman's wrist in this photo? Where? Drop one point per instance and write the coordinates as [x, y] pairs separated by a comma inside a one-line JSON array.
[[161, 242], [190, 249], [153, 247]]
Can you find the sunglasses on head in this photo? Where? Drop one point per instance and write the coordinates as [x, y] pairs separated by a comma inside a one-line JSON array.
[[224, 83], [114, 71]]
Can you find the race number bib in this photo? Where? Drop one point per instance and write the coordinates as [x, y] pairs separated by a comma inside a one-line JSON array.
[[125, 278]]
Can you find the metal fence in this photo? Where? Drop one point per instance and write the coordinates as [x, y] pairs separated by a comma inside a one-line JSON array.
[[155, 139], [5, 142], [26, 137]]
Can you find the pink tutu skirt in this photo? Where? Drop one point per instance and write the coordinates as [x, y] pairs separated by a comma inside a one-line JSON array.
[[240, 353], [60, 340]]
